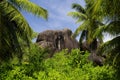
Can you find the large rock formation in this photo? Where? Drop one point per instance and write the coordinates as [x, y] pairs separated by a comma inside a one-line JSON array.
[[56, 40]]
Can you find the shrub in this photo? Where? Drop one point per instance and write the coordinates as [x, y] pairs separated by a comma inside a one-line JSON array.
[[74, 66], [32, 62], [62, 66]]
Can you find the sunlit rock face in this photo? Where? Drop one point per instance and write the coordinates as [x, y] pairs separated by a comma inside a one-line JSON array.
[[56, 40]]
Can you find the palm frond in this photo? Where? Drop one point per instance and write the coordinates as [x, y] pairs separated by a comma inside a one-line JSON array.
[[77, 15], [16, 18], [9, 42], [96, 6], [111, 46], [78, 8], [112, 49], [113, 28], [99, 32], [31, 7]]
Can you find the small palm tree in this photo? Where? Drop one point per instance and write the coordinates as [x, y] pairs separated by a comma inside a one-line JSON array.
[[13, 25], [88, 27]]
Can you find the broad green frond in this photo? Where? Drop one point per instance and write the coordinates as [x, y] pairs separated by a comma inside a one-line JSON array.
[[112, 45], [31, 7], [77, 15], [16, 18], [113, 28], [111, 48], [9, 39], [107, 7], [78, 8], [15, 32], [96, 6], [99, 31]]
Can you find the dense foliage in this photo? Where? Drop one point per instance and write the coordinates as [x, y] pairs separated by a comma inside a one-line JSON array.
[[95, 12], [14, 27], [62, 66], [34, 64]]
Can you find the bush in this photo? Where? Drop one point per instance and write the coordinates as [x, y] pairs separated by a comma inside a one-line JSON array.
[[32, 62], [74, 66], [62, 66]]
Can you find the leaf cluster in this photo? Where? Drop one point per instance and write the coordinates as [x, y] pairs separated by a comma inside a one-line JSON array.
[[61, 66]]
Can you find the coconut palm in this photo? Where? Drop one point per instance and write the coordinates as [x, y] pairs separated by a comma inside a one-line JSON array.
[[13, 25], [111, 12], [89, 25]]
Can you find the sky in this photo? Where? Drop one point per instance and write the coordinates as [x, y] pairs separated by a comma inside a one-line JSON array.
[[57, 16], [57, 19]]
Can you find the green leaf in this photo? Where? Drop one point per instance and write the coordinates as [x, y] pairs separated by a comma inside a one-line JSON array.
[[16, 18], [31, 7], [78, 8], [77, 15]]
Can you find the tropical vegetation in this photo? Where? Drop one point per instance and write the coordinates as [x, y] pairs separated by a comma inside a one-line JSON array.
[[22, 59], [73, 66], [13, 26], [90, 23], [97, 12]]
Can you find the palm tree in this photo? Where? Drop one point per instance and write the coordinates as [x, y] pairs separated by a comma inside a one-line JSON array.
[[111, 12], [88, 27], [13, 25]]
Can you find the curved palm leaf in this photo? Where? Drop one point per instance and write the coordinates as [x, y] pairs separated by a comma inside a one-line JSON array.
[[77, 15], [96, 7], [78, 8], [9, 39], [111, 45], [14, 27], [113, 28], [107, 7], [15, 17], [112, 48], [30, 7]]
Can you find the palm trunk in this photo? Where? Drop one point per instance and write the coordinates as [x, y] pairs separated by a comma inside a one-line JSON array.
[[93, 45], [0, 31]]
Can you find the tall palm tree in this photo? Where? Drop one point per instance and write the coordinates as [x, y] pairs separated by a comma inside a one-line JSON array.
[[13, 25], [111, 12], [89, 25]]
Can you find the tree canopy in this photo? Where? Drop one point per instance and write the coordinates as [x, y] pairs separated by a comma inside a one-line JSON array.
[[13, 25]]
